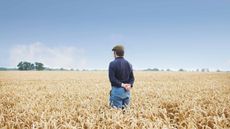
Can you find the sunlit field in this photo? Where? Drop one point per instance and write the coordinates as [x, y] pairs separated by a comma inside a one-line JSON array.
[[80, 100]]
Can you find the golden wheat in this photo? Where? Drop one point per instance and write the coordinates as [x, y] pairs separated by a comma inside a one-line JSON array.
[[80, 100]]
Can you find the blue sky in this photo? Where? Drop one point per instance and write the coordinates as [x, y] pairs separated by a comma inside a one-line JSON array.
[[80, 33]]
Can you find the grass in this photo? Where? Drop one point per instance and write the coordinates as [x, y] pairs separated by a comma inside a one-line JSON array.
[[80, 100]]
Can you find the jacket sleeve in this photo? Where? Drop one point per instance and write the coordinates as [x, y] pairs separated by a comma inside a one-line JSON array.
[[131, 76], [112, 77]]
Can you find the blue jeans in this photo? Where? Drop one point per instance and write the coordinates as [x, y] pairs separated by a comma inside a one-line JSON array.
[[119, 97]]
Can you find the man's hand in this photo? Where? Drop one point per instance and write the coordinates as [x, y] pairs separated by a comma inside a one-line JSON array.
[[126, 86]]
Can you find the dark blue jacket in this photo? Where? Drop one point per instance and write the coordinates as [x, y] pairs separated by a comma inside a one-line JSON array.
[[120, 71]]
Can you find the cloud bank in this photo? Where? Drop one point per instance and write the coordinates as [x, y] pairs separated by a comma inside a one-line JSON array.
[[54, 57]]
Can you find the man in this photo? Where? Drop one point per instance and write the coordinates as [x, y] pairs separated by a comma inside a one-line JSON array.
[[121, 79]]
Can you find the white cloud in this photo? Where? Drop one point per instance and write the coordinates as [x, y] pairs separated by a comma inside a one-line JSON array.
[[55, 57]]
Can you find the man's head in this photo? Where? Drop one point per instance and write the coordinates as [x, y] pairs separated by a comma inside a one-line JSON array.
[[118, 51]]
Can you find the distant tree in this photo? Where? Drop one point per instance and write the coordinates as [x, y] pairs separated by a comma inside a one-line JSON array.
[[202, 70], [205, 70], [25, 65], [218, 70], [62, 69], [155, 69], [39, 66], [20, 66], [181, 70], [3, 69], [168, 70]]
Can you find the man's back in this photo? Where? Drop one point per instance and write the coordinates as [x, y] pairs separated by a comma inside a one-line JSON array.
[[120, 71]]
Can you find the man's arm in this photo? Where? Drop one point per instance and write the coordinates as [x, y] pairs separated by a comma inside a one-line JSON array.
[[129, 85], [112, 77], [131, 76], [131, 79]]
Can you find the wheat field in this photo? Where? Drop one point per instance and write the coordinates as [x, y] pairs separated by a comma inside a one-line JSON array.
[[80, 100]]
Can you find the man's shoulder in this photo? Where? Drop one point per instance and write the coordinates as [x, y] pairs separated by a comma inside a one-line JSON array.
[[120, 60], [112, 63], [127, 61], [130, 65]]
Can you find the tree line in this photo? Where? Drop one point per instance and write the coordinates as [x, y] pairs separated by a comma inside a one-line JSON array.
[[24, 65], [181, 70]]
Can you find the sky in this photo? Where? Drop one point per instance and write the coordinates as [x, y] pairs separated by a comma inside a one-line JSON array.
[[79, 34]]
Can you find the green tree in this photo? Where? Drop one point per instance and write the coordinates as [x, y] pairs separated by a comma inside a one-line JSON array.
[[39, 66], [181, 70], [25, 65]]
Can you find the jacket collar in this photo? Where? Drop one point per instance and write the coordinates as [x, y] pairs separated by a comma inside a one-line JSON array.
[[120, 57]]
